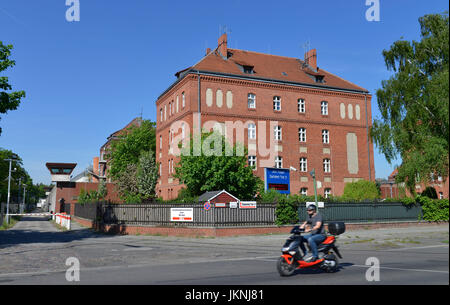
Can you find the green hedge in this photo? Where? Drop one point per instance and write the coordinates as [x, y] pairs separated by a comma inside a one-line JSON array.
[[433, 209], [287, 209]]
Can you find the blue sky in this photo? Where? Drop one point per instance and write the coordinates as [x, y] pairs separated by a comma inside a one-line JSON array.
[[87, 79]]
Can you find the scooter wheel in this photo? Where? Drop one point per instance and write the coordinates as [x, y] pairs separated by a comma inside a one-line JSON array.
[[285, 269], [332, 264]]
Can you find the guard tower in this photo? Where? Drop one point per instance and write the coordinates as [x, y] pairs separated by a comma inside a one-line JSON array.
[[60, 173]]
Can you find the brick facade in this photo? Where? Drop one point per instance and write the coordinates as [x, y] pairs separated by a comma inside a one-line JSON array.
[[224, 98]]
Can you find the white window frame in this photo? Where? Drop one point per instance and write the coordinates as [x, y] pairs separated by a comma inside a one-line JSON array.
[[252, 162], [324, 108], [251, 101], [183, 100], [301, 105], [325, 136], [303, 165], [278, 133], [277, 103], [302, 134], [251, 131], [278, 162], [304, 191], [326, 165], [327, 192]]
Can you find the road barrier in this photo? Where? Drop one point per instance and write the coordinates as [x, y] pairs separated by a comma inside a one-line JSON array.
[[63, 220]]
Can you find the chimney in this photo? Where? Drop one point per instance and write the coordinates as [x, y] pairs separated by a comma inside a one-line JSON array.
[[222, 42], [311, 59], [95, 165], [208, 50]]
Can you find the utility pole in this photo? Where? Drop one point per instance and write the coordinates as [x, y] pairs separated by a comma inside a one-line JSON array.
[[13, 158], [313, 174], [9, 191], [23, 204]]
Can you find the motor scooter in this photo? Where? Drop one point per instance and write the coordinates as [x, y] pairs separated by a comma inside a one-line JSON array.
[[291, 258]]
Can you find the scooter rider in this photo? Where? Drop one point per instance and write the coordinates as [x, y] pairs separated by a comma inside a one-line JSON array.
[[317, 232]]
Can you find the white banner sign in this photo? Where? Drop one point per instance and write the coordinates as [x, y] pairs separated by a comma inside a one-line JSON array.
[[321, 204], [247, 204], [181, 214]]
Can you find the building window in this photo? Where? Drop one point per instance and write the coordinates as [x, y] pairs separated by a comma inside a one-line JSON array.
[[302, 134], [251, 101], [183, 131], [248, 69], [441, 195], [252, 162], [252, 131], [165, 112], [278, 162], [325, 136], [160, 142], [161, 114], [326, 165], [327, 192], [277, 103], [277, 133], [178, 104], [301, 105], [324, 108], [304, 191], [303, 165], [183, 100]]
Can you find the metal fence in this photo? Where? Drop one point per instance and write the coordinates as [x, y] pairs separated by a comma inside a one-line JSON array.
[[367, 212], [159, 214]]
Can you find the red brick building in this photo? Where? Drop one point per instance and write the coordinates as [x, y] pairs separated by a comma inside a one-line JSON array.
[[308, 117], [100, 164], [392, 189]]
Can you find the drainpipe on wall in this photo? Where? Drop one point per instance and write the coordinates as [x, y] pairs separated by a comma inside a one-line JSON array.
[[199, 107], [368, 140]]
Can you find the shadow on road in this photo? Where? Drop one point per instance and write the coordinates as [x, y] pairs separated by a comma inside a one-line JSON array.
[[318, 270], [33, 235]]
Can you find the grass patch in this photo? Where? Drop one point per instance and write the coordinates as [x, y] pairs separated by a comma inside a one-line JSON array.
[[362, 241], [12, 222], [407, 241]]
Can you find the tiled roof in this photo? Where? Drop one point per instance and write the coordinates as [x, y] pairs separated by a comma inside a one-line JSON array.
[[270, 67]]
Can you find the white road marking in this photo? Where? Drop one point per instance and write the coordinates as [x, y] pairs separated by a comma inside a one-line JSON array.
[[402, 269], [414, 248]]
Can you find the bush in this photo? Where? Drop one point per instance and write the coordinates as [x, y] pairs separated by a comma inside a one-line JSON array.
[[434, 210], [361, 190]]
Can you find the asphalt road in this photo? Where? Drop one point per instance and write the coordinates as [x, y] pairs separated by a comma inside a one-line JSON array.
[[36, 252]]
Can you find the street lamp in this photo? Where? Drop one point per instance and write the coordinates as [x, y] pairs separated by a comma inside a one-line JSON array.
[[14, 157], [313, 175]]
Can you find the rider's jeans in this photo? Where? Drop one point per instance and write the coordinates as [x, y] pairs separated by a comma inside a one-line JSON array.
[[313, 240]]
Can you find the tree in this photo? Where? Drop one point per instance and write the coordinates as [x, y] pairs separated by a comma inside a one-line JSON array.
[[414, 104], [127, 149], [127, 185], [218, 171], [19, 179], [8, 101], [361, 190], [147, 175]]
